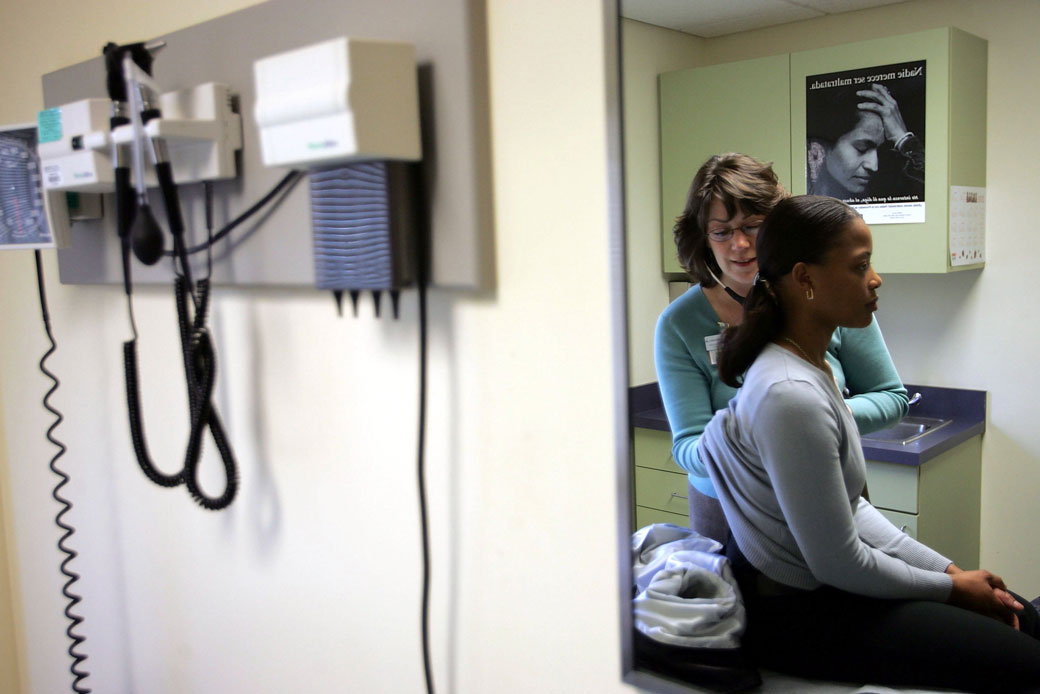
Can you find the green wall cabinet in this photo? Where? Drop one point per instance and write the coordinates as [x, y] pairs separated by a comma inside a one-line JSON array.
[[732, 107], [759, 107]]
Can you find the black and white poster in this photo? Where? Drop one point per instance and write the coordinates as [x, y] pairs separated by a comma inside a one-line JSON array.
[[865, 140]]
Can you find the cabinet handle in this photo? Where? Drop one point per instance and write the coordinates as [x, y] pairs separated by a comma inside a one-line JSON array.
[[904, 528], [676, 495]]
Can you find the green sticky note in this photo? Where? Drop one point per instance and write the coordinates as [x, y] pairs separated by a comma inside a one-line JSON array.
[[48, 124]]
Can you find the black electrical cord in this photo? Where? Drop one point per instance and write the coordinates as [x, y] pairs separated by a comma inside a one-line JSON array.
[[289, 178], [421, 458], [78, 674], [422, 280]]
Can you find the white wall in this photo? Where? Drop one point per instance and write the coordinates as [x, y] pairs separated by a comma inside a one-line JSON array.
[[310, 581], [971, 329]]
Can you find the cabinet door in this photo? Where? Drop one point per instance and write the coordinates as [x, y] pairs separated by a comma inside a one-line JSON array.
[[952, 126], [732, 107]]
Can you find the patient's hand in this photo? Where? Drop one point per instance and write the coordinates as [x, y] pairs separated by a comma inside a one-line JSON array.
[[985, 593], [1012, 604]]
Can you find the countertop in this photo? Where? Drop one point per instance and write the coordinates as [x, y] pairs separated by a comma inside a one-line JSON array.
[[967, 409]]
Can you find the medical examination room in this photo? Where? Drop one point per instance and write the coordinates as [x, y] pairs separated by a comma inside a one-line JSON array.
[[339, 352]]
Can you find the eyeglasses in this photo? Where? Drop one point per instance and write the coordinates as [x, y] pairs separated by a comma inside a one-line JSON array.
[[722, 234]]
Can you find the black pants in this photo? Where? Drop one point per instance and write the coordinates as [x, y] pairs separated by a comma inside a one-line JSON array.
[[830, 634]]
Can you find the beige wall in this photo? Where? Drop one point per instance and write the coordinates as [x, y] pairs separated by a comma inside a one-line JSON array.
[[971, 329], [10, 667], [647, 51], [310, 581]]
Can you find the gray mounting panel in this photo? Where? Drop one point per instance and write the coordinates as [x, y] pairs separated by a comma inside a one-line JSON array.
[[275, 249]]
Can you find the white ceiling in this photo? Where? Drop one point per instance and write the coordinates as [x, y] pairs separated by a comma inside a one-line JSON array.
[[710, 18]]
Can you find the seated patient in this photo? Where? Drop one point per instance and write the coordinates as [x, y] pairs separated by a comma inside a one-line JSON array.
[[832, 589]]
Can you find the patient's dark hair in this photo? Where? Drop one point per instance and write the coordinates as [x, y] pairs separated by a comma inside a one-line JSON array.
[[802, 229], [739, 182]]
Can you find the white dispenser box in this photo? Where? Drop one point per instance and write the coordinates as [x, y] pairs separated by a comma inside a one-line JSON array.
[[338, 101]]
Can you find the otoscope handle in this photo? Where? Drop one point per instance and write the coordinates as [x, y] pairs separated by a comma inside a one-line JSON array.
[[164, 173], [124, 201], [171, 199], [125, 207]]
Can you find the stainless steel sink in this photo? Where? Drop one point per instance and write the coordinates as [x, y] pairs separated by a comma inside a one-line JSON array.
[[908, 429]]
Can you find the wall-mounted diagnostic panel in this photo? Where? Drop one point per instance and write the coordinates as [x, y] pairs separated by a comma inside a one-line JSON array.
[[382, 102]]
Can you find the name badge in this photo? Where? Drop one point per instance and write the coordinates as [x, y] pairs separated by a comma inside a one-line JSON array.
[[711, 345]]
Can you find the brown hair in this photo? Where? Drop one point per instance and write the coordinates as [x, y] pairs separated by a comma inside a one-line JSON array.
[[739, 181]]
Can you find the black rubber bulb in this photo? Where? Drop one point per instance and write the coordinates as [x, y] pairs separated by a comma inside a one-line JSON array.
[[146, 236]]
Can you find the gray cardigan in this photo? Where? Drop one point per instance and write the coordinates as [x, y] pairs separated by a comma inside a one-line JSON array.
[[786, 461]]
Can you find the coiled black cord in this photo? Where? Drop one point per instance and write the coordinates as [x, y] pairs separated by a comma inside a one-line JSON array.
[[199, 361], [200, 374], [78, 674]]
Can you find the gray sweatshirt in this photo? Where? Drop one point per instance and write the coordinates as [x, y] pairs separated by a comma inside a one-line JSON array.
[[786, 461]]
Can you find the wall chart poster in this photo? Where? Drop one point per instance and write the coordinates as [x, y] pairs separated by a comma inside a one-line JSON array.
[[865, 140]]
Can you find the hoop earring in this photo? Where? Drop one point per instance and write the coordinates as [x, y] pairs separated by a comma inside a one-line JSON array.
[[809, 295]]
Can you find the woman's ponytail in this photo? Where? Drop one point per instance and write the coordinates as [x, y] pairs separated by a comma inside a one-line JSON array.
[[741, 344]]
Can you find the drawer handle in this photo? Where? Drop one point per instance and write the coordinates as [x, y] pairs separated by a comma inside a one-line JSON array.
[[904, 528], [676, 495]]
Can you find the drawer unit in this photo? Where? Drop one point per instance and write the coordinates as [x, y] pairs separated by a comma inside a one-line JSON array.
[[647, 516], [661, 487], [893, 486], [653, 449], [906, 522], [937, 502], [666, 491]]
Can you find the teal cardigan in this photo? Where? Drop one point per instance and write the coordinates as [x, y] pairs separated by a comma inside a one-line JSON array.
[[692, 392]]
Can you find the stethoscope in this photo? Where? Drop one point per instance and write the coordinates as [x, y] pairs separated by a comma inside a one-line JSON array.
[[733, 295]]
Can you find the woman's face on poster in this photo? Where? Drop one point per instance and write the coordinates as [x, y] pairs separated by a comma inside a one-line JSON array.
[[853, 159]]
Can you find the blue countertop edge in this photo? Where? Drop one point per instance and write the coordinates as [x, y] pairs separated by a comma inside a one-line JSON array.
[[967, 409]]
